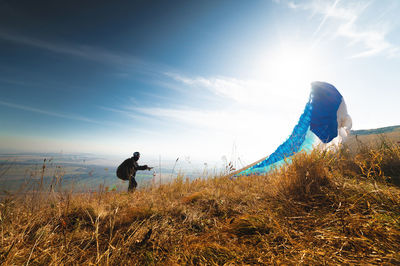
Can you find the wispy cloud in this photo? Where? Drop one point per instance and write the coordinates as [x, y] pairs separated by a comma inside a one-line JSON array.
[[124, 112], [49, 113], [222, 86], [246, 92], [86, 52], [219, 120], [217, 129], [248, 104], [327, 15], [354, 21]]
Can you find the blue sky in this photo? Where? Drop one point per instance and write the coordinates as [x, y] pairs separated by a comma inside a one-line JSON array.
[[188, 78]]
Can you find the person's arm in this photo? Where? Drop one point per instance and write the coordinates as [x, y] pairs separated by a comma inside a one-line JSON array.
[[143, 167]]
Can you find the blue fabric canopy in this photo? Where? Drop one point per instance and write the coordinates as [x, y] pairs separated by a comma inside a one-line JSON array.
[[319, 120], [325, 101]]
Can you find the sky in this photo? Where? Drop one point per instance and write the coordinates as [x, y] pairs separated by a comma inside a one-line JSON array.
[[189, 79]]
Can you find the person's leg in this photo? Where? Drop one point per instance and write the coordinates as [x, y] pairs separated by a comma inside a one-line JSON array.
[[132, 183]]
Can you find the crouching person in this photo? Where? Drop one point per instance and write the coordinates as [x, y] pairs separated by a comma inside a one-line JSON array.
[[127, 170]]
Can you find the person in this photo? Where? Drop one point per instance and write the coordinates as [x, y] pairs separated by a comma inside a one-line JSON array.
[[127, 170]]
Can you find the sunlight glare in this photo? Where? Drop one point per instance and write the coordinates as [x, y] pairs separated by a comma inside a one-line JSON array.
[[291, 69]]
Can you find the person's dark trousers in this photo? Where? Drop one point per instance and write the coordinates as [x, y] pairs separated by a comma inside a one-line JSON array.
[[132, 184]]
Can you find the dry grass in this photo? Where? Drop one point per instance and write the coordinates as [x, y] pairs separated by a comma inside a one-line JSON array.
[[327, 207]]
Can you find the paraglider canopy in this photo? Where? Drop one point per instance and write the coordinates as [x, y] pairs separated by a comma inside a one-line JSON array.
[[324, 116], [325, 101]]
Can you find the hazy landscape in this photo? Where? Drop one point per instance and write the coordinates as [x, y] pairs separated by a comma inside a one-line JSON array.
[[86, 172]]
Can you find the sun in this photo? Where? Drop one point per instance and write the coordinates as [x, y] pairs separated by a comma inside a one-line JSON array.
[[293, 65], [290, 68]]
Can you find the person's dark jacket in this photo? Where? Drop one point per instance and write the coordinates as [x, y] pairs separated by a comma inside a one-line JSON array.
[[128, 168]]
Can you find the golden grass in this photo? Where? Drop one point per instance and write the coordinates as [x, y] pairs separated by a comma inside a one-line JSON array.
[[327, 207]]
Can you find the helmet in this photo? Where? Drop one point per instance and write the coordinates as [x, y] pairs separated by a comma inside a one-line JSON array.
[[136, 154]]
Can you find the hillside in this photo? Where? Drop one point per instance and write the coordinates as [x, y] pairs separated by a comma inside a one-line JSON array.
[[381, 130], [327, 207], [373, 137]]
